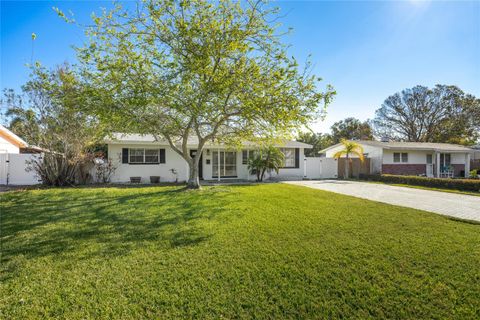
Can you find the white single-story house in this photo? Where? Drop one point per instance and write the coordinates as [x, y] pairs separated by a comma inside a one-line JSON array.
[[413, 158], [10, 142], [142, 156]]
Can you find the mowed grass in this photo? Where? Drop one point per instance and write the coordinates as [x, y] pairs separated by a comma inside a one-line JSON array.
[[257, 251]]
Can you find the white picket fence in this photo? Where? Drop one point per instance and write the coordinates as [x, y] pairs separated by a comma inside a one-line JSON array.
[[320, 168], [13, 169]]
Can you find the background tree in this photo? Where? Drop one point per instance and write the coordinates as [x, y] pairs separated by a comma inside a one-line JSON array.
[[319, 141], [351, 129], [48, 114], [442, 114], [349, 148], [23, 122], [215, 71]]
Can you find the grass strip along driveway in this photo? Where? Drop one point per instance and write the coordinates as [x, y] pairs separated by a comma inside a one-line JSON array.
[[252, 251]]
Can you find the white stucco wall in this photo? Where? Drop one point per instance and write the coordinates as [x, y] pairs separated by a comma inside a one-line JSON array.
[[7, 147], [124, 170], [420, 157], [173, 160], [476, 155], [242, 169], [458, 158], [414, 157]]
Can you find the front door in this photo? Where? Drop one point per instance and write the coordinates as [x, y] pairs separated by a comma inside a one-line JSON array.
[[429, 165], [225, 163], [200, 163]]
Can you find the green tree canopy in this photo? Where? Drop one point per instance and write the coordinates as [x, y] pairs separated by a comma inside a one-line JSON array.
[[351, 129], [49, 114], [442, 114], [319, 141], [217, 71]]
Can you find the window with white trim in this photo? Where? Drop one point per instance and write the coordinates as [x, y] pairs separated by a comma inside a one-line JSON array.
[[152, 156], [400, 157], [289, 160], [136, 155], [144, 156]]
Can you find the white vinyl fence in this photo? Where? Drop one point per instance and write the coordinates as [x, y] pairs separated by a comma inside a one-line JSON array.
[[13, 169], [321, 168]]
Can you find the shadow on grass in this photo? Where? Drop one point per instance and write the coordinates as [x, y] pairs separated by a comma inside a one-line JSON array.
[[107, 222]]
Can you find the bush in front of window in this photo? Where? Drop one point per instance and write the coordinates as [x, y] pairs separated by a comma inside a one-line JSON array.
[[266, 160]]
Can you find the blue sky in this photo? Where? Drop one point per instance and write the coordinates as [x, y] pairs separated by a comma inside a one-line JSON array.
[[366, 50]]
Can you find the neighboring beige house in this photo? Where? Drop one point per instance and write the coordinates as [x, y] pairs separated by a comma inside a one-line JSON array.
[[10, 142], [414, 158]]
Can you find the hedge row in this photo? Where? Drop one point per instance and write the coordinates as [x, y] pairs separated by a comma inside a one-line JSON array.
[[458, 184]]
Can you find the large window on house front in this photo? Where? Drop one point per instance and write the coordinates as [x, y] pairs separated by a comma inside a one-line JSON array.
[[289, 154], [225, 164], [144, 156], [400, 157]]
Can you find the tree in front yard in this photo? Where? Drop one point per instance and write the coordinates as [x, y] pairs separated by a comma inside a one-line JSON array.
[[216, 71], [349, 148], [264, 160], [48, 114]]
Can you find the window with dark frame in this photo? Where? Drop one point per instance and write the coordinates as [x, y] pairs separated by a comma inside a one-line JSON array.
[[404, 157]]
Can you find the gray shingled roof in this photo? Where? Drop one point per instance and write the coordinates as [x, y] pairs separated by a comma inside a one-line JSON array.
[[393, 145]]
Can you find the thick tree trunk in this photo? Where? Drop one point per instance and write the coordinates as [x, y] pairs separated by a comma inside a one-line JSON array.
[[193, 179], [193, 176]]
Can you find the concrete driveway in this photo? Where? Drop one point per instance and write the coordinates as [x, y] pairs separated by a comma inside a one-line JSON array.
[[449, 204]]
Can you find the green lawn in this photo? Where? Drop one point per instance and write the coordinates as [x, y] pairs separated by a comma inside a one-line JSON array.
[[255, 251]]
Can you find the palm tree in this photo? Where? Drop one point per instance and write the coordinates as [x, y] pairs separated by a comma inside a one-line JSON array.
[[349, 148], [266, 160]]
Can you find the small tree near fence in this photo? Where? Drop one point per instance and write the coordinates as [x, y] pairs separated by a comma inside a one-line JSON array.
[[349, 148], [265, 160]]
